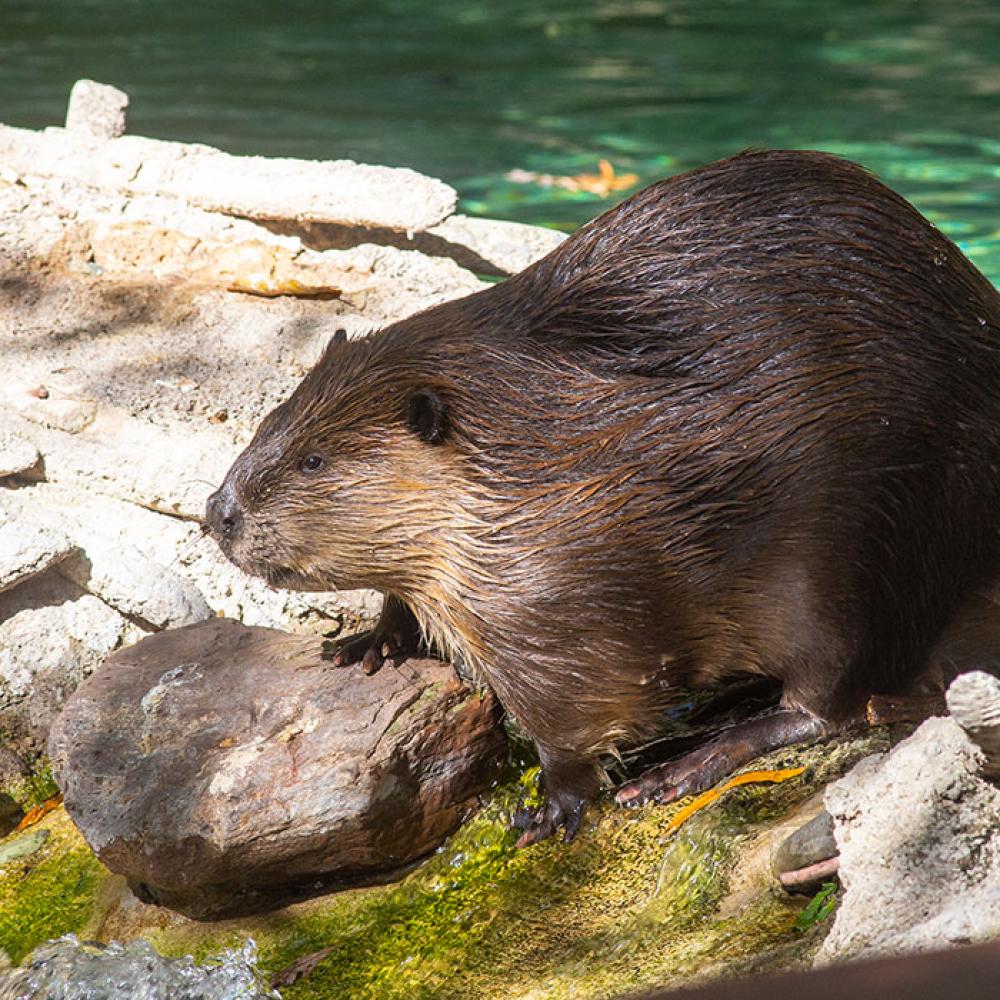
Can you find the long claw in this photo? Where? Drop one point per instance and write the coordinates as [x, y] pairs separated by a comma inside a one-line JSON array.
[[372, 661], [571, 825], [396, 635], [540, 824], [538, 831]]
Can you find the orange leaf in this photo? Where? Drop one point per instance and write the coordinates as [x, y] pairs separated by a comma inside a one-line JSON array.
[[603, 183], [33, 815], [706, 798], [274, 288]]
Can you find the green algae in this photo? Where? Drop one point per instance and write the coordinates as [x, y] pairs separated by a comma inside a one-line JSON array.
[[627, 906], [51, 892], [32, 789]]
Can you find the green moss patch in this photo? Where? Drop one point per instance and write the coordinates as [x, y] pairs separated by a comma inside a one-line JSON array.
[[34, 788], [50, 892], [626, 907]]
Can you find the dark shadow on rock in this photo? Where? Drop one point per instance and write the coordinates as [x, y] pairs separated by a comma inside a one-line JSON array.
[[331, 236], [958, 974]]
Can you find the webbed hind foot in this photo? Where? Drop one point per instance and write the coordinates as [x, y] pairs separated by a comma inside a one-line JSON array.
[[702, 768]]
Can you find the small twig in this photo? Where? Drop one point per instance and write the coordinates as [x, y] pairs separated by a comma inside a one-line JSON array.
[[818, 872]]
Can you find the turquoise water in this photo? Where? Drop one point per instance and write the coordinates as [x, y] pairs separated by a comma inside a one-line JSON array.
[[469, 91]]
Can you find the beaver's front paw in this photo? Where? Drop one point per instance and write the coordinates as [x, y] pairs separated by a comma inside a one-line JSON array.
[[395, 637], [540, 824]]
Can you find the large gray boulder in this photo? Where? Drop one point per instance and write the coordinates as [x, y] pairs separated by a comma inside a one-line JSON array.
[[225, 769], [919, 838]]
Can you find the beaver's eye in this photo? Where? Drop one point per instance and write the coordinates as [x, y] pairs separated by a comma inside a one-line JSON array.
[[312, 463]]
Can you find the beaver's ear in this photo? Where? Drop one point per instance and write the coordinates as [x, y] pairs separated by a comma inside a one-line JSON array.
[[425, 415]]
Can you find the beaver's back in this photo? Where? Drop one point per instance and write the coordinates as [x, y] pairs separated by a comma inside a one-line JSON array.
[[758, 406]]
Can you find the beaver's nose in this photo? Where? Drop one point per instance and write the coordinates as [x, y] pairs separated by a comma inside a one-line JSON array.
[[222, 513]]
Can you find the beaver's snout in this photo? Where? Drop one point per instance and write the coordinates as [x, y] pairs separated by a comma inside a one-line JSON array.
[[223, 514]]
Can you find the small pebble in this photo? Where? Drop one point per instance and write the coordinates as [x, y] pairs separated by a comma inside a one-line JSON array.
[[23, 846]]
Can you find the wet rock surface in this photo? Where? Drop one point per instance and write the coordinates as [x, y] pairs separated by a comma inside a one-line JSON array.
[[69, 969], [223, 768], [807, 857]]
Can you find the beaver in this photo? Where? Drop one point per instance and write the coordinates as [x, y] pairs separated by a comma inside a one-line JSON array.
[[746, 422]]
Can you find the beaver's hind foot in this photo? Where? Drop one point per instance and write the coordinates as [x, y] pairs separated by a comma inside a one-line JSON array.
[[570, 782], [702, 768]]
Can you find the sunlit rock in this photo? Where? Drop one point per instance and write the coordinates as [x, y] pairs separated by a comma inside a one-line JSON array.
[[919, 838], [223, 768]]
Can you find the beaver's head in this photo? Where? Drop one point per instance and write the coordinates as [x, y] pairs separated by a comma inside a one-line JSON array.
[[352, 481]]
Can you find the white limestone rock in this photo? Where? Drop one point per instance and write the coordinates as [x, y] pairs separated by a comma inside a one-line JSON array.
[[52, 635], [17, 454], [96, 110], [919, 838], [253, 187], [28, 549], [494, 245]]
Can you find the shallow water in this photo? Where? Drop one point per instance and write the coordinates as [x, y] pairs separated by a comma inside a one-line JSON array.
[[468, 90]]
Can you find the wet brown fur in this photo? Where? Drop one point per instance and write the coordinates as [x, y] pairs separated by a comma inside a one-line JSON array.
[[746, 421]]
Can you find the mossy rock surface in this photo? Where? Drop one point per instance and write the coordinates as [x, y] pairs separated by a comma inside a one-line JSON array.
[[627, 906]]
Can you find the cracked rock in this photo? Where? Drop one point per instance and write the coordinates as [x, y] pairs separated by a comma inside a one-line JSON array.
[[226, 769], [52, 634], [245, 186], [154, 596], [27, 550], [59, 411], [17, 454]]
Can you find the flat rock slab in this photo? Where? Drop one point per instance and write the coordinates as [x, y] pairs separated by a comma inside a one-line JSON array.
[[253, 187], [27, 550], [226, 769]]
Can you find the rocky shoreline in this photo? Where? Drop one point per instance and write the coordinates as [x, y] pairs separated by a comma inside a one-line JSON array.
[[147, 324]]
